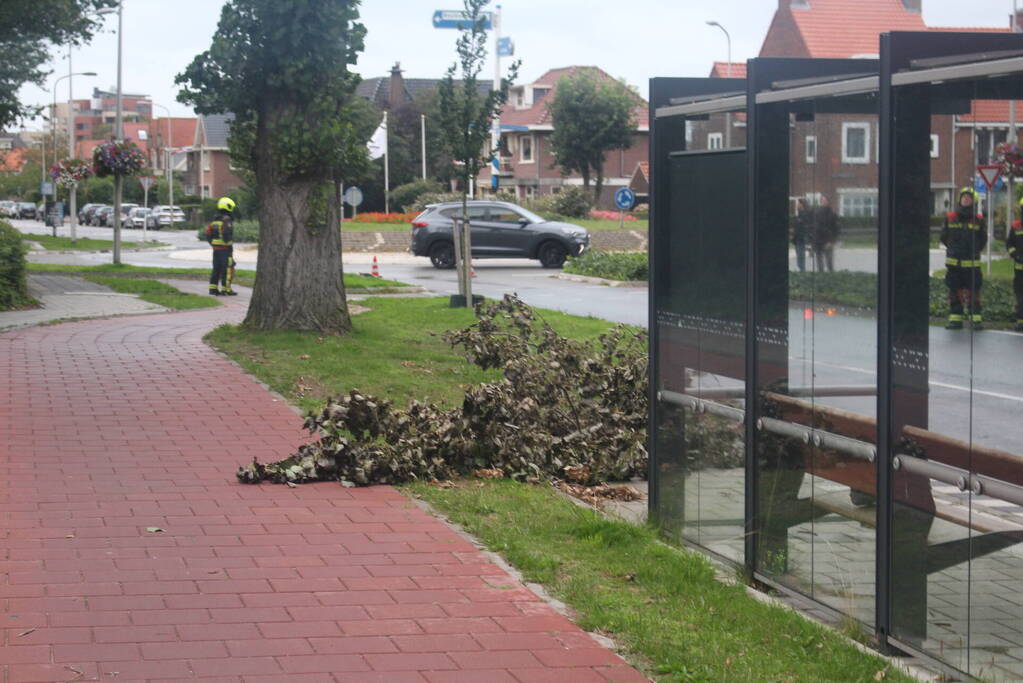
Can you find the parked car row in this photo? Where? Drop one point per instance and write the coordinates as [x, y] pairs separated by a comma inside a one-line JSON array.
[[12, 209]]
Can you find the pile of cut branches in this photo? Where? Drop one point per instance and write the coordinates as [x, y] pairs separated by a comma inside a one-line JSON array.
[[562, 406]]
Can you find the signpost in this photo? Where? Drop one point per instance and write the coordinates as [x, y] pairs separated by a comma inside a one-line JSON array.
[[147, 181], [458, 19], [353, 196], [625, 199], [990, 174]]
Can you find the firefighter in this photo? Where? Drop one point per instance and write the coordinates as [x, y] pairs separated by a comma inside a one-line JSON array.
[[1014, 243], [220, 234], [964, 238]]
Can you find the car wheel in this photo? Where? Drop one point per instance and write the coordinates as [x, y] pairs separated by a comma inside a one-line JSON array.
[[552, 255], [442, 255]]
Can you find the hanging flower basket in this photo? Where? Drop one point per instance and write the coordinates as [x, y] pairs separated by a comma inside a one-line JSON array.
[[117, 158], [70, 172], [1011, 159]]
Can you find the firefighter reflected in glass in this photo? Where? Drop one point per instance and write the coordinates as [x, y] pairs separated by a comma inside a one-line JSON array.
[[964, 238], [1014, 243]]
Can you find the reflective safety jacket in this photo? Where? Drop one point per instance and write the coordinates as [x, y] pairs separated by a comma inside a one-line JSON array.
[[1014, 243], [220, 232], [964, 238]]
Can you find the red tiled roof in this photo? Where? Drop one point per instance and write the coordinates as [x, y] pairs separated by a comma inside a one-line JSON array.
[[644, 168], [847, 28], [539, 115], [991, 111], [720, 70], [14, 160], [970, 29], [182, 132]]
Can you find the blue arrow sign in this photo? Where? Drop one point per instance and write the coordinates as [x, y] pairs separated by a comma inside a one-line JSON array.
[[505, 47], [625, 199], [443, 18]]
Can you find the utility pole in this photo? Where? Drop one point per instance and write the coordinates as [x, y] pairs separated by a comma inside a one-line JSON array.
[[118, 136]]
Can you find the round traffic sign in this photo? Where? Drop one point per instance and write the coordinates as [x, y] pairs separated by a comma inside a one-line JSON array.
[[353, 196], [625, 199]]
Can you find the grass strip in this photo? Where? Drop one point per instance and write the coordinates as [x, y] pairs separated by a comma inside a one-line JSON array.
[[155, 292], [662, 605], [245, 278], [84, 243], [394, 351]]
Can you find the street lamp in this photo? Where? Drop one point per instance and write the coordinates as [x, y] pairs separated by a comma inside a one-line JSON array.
[[71, 136], [728, 74], [118, 128], [168, 171]]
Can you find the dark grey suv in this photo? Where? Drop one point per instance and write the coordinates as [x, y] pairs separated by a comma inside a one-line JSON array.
[[499, 230]]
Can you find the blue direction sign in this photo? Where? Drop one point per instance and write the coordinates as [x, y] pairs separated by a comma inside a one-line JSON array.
[[625, 199], [505, 47], [443, 18]]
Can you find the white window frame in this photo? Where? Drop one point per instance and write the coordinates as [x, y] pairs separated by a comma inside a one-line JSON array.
[[715, 140], [205, 161], [523, 159], [846, 127], [935, 145], [810, 141], [848, 193]]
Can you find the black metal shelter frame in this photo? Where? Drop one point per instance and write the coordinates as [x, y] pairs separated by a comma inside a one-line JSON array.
[[743, 457]]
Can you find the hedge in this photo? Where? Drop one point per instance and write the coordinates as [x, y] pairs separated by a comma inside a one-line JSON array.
[[629, 265], [13, 281]]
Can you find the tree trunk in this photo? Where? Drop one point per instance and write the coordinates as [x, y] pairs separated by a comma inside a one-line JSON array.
[[599, 185], [299, 282]]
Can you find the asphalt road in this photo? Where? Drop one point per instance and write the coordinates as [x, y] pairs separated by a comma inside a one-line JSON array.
[[976, 379]]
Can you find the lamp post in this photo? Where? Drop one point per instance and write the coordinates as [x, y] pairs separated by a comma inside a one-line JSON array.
[[168, 172], [118, 135], [728, 74], [71, 136]]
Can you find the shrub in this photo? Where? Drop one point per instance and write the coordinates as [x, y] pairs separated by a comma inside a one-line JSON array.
[[563, 409], [13, 281], [433, 198], [641, 211], [405, 196], [573, 201], [628, 266]]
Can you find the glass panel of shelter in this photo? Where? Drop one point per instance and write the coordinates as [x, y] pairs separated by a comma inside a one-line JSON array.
[[701, 313], [957, 563], [817, 333]]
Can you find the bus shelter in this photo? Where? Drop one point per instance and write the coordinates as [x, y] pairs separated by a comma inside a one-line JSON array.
[[812, 420]]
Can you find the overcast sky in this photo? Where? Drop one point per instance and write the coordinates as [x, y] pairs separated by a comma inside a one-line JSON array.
[[631, 39]]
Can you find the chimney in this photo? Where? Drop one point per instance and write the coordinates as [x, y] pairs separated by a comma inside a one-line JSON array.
[[396, 89], [913, 5], [793, 4]]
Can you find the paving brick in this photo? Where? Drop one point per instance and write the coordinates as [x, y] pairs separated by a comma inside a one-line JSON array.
[[427, 661], [491, 659], [234, 666], [270, 647], [478, 676], [43, 673], [578, 675], [95, 652], [197, 650], [353, 645], [134, 634], [379, 627], [595, 656], [299, 629], [322, 664], [436, 643]]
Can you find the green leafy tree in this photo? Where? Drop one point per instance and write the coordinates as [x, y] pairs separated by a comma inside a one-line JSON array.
[[590, 117], [282, 68], [465, 118], [28, 31]]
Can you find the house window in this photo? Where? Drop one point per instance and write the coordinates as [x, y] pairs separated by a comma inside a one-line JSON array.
[[689, 133], [858, 203], [987, 140], [526, 149], [934, 145], [855, 143], [810, 149], [715, 140], [205, 161]]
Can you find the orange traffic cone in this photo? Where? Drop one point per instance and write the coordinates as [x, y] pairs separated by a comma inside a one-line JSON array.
[[376, 268]]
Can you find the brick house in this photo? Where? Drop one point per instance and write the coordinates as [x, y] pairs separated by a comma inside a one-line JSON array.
[[836, 155], [174, 133], [101, 110], [527, 164], [208, 171]]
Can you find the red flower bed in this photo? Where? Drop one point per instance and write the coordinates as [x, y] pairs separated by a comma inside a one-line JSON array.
[[609, 216], [380, 217]]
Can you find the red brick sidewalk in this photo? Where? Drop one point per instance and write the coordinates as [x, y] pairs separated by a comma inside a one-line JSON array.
[[130, 553]]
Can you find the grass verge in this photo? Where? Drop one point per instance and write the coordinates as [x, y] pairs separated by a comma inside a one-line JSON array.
[[394, 351], [155, 292], [663, 606], [84, 243], [245, 278]]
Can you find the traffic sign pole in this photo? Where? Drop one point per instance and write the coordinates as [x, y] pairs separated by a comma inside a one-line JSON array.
[[990, 173]]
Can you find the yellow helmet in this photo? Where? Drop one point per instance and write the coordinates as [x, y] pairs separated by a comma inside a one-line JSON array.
[[974, 195], [225, 204]]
